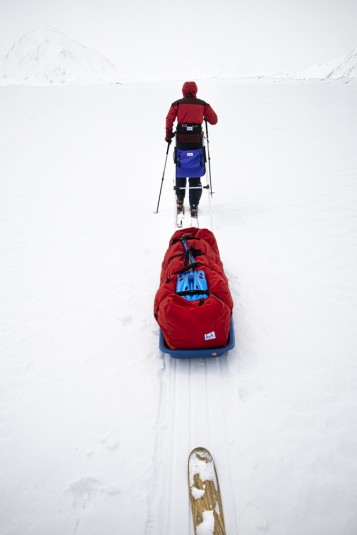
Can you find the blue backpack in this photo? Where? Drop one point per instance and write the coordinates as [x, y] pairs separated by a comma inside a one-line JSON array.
[[190, 163]]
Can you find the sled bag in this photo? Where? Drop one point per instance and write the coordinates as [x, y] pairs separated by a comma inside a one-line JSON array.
[[193, 304], [190, 163]]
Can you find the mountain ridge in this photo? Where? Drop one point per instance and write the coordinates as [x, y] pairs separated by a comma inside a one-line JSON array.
[[46, 56], [335, 69]]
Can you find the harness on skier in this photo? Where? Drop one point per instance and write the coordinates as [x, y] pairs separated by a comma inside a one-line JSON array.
[[189, 154]]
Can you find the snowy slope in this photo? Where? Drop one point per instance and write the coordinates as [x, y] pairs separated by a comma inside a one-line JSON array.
[[49, 57], [343, 67], [95, 424]]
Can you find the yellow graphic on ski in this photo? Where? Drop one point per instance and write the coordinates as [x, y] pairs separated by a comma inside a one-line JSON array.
[[205, 496]]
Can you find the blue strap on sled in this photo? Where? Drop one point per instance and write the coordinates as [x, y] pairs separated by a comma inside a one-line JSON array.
[[193, 284]]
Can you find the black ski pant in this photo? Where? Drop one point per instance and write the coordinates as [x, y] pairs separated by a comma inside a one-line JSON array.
[[194, 195]]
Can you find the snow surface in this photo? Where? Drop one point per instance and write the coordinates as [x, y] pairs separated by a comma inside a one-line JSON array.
[[197, 493], [207, 525], [96, 424]]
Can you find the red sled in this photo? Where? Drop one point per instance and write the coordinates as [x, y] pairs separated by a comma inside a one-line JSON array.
[[193, 304]]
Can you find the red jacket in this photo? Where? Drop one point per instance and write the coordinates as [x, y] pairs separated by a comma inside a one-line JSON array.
[[189, 109]]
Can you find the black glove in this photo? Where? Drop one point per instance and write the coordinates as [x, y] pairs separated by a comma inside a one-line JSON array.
[[169, 136]]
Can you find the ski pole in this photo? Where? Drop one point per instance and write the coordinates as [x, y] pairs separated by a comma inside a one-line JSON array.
[[163, 176], [209, 159]]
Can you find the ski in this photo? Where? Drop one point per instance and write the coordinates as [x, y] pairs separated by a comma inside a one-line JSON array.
[[205, 496], [194, 222], [179, 220], [194, 216], [180, 215]]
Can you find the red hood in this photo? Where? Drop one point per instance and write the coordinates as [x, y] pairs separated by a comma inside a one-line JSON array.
[[189, 89]]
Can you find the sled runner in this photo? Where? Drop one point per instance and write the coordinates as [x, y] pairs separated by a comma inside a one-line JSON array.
[[193, 304]]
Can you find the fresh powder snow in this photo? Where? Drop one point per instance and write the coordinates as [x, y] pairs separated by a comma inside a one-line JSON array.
[[96, 424], [197, 493]]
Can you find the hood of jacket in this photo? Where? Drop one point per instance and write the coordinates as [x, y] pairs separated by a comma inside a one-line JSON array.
[[189, 89]]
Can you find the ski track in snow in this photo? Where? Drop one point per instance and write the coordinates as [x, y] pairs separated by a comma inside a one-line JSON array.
[[193, 404], [96, 425]]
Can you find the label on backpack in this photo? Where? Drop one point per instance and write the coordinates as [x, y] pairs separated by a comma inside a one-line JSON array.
[[190, 154], [210, 336]]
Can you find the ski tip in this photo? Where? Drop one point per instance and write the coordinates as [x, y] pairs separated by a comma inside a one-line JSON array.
[[201, 450]]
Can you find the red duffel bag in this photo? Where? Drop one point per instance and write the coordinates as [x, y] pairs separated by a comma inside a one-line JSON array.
[[193, 317]]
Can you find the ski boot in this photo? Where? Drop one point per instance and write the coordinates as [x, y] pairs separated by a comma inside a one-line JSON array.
[[194, 211], [179, 205]]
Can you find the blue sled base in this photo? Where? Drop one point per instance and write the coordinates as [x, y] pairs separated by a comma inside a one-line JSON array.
[[192, 353]]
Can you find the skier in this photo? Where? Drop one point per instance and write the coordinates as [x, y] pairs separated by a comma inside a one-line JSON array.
[[190, 113]]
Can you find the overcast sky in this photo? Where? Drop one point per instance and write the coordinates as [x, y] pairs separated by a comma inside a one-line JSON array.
[[191, 39]]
